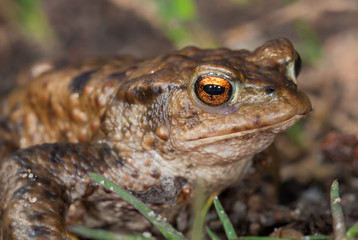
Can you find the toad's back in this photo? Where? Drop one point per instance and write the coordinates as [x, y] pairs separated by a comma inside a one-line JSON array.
[[156, 127]]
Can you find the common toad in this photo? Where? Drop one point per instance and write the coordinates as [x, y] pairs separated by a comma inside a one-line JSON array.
[[156, 127]]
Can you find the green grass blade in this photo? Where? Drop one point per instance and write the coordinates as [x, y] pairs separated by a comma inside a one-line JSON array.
[[339, 226], [165, 228], [313, 237], [211, 234], [317, 237], [229, 230], [105, 235], [352, 231], [202, 205], [263, 238]]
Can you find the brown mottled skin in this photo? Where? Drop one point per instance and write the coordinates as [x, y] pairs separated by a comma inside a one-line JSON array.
[[140, 124]]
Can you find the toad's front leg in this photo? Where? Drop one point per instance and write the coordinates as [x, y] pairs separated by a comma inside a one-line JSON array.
[[38, 185]]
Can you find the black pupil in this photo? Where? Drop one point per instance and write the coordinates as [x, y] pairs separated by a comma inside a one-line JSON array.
[[213, 89]]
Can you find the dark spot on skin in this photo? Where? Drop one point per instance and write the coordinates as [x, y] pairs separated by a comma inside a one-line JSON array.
[[49, 195], [77, 84], [135, 174], [167, 191], [269, 90], [105, 151], [146, 93], [45, 181], [190, 166], [148, 80], [35, 217], [117, 75], [154, 90], [155, 174], [119, 161], [38, 231], [257, 120], [107, 191], [181, 87], [140, 93], [193, 114], [49, 189], [90, 189], [54, 156], [19, 193]]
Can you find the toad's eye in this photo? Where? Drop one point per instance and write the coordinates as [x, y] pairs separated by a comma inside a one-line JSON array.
[[213, 90]]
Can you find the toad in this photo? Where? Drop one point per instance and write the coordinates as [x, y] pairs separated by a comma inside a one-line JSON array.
[[156, 127]]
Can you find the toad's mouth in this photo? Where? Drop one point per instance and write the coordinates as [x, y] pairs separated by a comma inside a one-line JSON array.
[[232, 133], [252, 120]]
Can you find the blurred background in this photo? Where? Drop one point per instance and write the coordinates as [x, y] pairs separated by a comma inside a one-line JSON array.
[[325, 33]]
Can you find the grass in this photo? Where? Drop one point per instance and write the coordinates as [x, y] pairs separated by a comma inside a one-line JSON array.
[[339, 226], [169, 232], [30, 19], [229, 229], [165, 228]]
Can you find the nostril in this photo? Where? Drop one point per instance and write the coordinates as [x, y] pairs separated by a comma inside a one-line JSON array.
[[269, 90]]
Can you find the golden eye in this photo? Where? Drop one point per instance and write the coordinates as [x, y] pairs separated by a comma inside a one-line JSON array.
[[213, 90]]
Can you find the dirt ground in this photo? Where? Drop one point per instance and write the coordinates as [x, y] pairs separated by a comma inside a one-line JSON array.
[[325, 146]]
